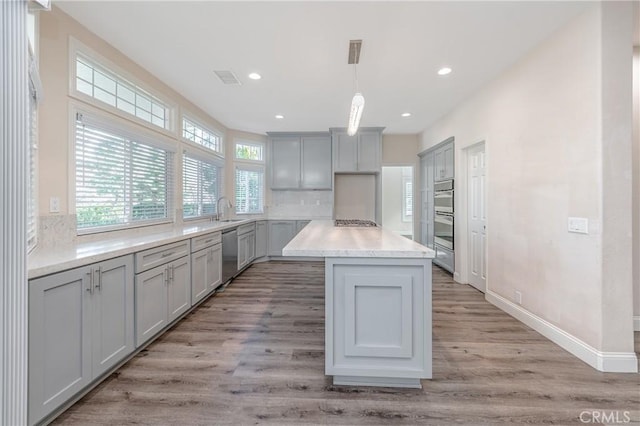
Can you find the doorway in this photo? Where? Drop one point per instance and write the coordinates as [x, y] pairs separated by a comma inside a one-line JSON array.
[[397, 199], [477, 216]]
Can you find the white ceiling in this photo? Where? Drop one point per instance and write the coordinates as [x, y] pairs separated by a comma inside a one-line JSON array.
[[300, 48]]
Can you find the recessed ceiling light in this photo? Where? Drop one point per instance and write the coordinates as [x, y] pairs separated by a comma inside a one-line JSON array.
[[255, 76], [279, 116], [406, 114], [444, 71]]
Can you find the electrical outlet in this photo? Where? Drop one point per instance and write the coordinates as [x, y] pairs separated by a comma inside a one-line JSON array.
[[54, 205], [517, 297], [579, 225]]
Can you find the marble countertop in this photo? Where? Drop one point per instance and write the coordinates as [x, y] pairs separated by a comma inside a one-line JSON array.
[[322, 239], [48, 260]]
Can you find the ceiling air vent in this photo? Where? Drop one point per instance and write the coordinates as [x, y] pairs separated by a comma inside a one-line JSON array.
[[227, 77], [354, 51]]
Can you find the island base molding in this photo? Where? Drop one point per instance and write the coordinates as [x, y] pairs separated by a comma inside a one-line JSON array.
[[388, 382], [378, 321]]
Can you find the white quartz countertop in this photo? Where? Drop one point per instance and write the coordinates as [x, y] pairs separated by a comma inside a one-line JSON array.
[[322, 239], [48, 260]]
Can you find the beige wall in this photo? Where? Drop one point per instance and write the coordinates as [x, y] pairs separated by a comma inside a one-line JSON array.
[[543, 125], [54, 114], [399, 150]]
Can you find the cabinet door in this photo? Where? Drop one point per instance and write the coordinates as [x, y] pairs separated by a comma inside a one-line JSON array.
[[179, 298], [200, 261], [242, 251], [438, 164], [345, 149], [316, 163], [300, 224], [59, 339], [151, 302], [448, 165], [426, 194], [261, 239], [280, 233], [112, 311], [285, 163], [251, 247], [214, 270], [369, 147]]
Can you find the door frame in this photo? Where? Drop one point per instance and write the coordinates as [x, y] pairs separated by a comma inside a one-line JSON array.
[[463, 251]]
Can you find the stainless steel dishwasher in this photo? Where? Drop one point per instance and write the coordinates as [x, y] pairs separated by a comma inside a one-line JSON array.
[[229, 254]]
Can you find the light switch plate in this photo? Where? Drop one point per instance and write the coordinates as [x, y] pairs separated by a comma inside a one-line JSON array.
[[54, 205], [578, 225]]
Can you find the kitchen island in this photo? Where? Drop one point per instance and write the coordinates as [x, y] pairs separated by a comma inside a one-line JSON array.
[[377, 303]]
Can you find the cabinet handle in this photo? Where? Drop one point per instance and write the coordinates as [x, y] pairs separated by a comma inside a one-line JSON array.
[[171, 253], [99, 280], [90, 288], [165, 275], [171, 269], [208, 241]]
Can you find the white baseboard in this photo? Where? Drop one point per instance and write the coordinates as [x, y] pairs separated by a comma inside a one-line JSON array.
[[611, 362], [636, 323]]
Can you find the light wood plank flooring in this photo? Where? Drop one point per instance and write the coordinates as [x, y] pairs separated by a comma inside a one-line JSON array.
[[254, 354]]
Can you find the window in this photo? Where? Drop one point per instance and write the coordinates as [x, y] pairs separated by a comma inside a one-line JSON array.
[[249, 189], [122, 179], [199, 187], [407, 194], [108, 87], [252, 151], [35, 93], [201, 135]]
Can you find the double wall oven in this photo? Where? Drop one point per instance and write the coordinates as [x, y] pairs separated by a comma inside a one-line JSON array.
[[443, 218]]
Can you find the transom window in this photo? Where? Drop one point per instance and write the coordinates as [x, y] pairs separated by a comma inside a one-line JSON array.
[[200, 187], [252, 151], [201, 135], [122, 179], [106, 86]]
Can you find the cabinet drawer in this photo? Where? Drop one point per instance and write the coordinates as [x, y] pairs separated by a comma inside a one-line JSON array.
[[204, 241], [244, 229], [151, 258]]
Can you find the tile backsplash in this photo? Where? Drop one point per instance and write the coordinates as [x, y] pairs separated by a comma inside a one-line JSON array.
[[301, 204]]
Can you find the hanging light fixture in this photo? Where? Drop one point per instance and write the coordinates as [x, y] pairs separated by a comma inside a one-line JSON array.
[[357, 103]]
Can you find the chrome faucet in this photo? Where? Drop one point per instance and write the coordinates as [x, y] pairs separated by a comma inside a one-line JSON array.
[[227, 206]]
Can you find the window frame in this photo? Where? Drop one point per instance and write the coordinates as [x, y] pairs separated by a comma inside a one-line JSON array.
[[78, 48], [198, 152], [211, 129], [129, 130]]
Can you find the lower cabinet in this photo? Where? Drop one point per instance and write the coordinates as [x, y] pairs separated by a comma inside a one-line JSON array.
[[280, 233], [162, 295], [206, 272], [246, 249], [81, 323], [261, 239]]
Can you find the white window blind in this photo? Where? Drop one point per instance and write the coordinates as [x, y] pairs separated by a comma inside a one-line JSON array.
[[106, 86], [201, 135], [407, 199], [249, 189], [200, 185], [121, 179]]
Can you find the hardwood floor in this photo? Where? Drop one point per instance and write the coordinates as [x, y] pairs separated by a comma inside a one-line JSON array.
[[254, 354]]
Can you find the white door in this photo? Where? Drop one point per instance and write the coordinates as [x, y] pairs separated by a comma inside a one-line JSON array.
[[477, 216]]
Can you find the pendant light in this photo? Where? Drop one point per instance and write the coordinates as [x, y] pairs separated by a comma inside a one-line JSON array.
[[357, 103]]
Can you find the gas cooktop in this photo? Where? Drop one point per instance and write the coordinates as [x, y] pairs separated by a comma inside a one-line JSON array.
[[357, 223]]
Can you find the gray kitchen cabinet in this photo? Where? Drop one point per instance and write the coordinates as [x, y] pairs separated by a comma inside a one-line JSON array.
[[444, 161], [80, 325], [280, 233], [300, 160], [316, 162], [360, 153], [246, 244], [261, 239], [285, 163], [163, 293], [426, 196], [300, 224], [206, 265]]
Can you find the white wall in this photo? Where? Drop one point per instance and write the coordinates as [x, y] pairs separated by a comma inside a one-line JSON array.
[[542, 121], [636, 186]]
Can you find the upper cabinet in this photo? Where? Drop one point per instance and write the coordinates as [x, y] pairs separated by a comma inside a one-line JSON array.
[[360, 153], [443, 159], [300, 160]]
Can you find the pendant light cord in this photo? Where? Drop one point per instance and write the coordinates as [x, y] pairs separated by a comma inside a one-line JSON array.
[[355, 75]]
